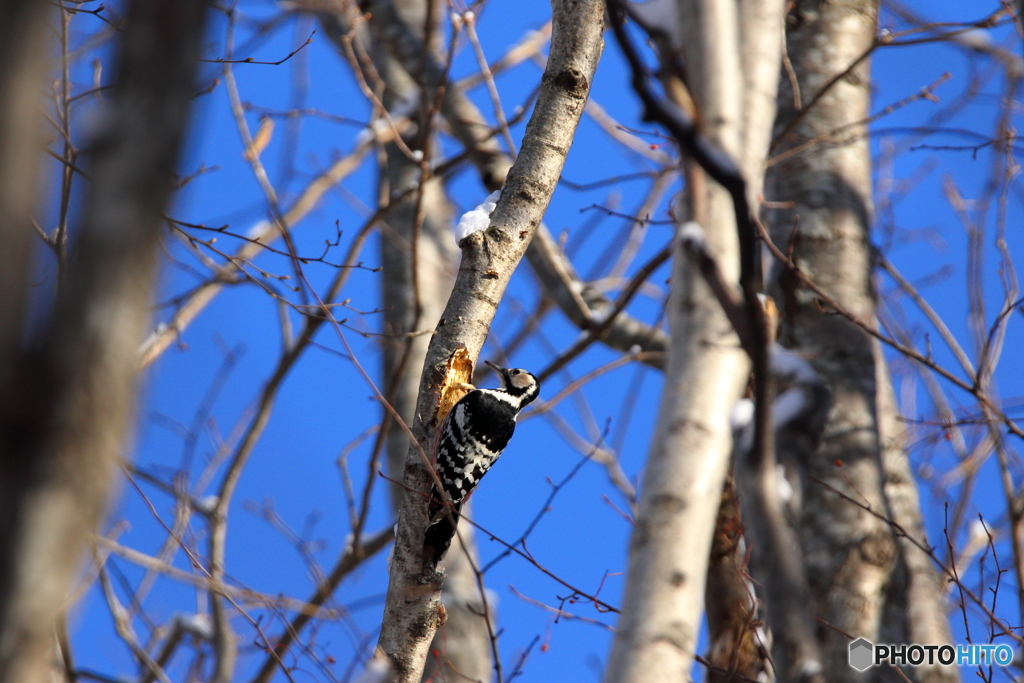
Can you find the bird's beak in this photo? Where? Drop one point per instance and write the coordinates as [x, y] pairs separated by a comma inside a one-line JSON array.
[[497, 368]]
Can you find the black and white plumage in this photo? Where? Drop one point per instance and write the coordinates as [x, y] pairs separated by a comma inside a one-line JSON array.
[[469, 441]]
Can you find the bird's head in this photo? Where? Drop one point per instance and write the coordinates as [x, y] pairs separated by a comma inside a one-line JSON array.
[[517, 382]]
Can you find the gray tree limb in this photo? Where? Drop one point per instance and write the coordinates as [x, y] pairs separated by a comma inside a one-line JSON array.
[[578, 301], [414, 295], [411, 612], [553, 269]]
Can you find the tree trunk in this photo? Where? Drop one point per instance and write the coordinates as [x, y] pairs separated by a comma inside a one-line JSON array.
[[68, 392], [414, 296], [731, 61], [411, 613], [917, 603], [852, 557]]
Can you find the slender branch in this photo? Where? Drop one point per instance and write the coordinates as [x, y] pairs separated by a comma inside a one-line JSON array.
[[552, 267], [904, 349], [350, 558]]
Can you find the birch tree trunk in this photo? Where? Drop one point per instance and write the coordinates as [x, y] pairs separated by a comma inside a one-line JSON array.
[[916, 611], [732, 59], [23, 47], [852, 557], [68, 390]]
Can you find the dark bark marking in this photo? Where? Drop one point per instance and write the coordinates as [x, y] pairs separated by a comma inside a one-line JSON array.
[[667, 503], [572, 81]]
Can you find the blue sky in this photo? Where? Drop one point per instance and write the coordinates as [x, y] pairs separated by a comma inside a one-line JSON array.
[[325, 405]]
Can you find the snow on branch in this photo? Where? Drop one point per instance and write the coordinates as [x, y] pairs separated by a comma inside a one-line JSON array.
[[476, 220]]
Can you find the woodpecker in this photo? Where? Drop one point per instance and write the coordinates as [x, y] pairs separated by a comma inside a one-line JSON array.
[[470, 440]]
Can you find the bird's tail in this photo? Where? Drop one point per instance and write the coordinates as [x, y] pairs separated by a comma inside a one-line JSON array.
[[438, 536]]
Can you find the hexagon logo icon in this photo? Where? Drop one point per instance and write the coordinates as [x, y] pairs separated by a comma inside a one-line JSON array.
[[862, 654]]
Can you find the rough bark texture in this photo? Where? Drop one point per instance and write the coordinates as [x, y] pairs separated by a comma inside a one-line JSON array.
[[736, 647], [463, 644], [68, 390], [705, 374], [850, 555], [467, 648], [410, 304], [411, 612], [414, 297]]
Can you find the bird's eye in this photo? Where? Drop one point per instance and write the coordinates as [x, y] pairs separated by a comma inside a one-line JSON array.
[[515, 372]]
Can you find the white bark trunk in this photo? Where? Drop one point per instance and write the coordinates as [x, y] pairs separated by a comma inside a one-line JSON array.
[[851, 556], [917, 613], [706, 371]]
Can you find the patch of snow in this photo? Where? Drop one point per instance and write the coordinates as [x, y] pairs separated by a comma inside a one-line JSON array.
[[790, 405], [693, 238], [478, 219], [599, 313], [378, 670], [207, 504], [742, 414], [790, 365], [741, 421], [784, 488], [196, 624], [977, 39]]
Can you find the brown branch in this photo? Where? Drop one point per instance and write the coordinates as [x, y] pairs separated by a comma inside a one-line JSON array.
[[950, 572], [596, 330], [553, 268], [904, 349], [350, 558]]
